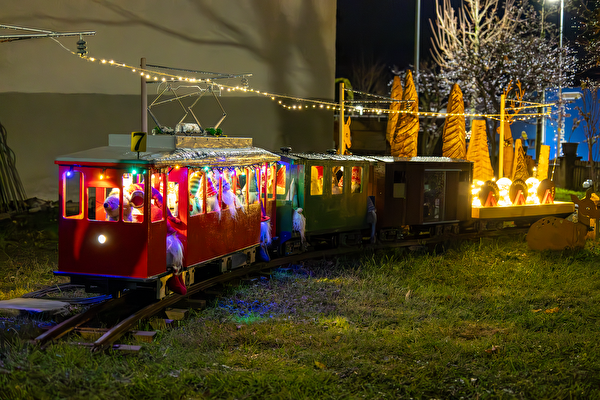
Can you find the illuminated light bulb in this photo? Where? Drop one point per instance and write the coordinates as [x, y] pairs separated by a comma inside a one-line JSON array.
[[103, 61], [272, 98], [147, 76], [101, 239], [111, 62], [141, 74], [92, 59]]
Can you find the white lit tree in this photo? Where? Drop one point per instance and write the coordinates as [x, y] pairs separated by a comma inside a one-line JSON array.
[[483, 46]]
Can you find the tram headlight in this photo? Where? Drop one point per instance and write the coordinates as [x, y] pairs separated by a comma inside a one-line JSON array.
[[101, 239]]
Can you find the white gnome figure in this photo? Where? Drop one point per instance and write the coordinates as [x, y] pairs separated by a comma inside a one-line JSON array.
[[229, 198], [212, 203], [111, 206]]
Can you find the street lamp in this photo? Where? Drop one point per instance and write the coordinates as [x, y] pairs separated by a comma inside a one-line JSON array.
[[561, 133], [417, 40]]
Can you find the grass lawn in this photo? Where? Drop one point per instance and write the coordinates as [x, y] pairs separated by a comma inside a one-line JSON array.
[[482, 319]]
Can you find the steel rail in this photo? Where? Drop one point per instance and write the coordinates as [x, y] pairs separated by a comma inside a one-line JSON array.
[[69, 324]]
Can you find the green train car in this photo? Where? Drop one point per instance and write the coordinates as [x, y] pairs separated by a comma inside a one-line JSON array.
[[321, 198]]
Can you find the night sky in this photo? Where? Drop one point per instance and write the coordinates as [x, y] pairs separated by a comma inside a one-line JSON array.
[[381, 30]]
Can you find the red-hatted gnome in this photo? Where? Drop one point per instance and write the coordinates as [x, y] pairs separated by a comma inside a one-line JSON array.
[[174, 245], [111, 206]]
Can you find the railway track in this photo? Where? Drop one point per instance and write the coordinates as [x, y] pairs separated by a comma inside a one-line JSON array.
[[146, 309]]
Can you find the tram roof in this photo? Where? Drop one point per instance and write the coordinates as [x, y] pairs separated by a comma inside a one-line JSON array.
[[169, 150]]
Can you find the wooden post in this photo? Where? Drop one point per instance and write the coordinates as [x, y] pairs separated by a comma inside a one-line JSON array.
[[501, 139], [144, 124], [341, 121]]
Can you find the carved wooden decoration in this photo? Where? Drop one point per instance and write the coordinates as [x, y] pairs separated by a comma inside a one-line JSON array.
[[394, 108], [553, 233], [508, 150], [478, 152], [404, 142], [454, 145], [519, 169], [543, 162], [347, 137]]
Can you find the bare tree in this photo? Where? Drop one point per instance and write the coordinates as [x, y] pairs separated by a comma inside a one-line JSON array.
[[369, 76]]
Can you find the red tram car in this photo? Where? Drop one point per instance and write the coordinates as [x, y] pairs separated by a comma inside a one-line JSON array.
[[118, 207]]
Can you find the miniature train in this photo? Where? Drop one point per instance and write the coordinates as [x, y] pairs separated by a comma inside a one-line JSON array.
[[229, 204]]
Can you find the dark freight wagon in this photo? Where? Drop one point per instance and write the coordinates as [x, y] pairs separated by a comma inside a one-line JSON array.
[[424, 193]]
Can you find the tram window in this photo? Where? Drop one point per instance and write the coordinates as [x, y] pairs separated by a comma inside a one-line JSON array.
[[228, 189], [239, 180], [212, 191], [356, 186], [399, 186], [316, 180], [434, 189], [281, 181], [251, 179], [72, 194], [157, 197], [337, 180], [196, 191], [133, 198], [103, 204], [271, 182]]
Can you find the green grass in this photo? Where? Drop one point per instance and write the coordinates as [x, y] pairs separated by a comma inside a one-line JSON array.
[[565, 194], [483, 319]]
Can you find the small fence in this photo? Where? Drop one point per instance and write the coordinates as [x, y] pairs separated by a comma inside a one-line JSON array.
[[571, 173]]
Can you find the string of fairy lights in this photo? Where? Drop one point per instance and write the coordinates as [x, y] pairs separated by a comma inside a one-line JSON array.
[[295, 103]]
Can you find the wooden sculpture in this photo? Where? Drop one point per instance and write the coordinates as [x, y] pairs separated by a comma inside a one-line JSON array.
[[508, 150], [404, 141], [394, 108], [347, 137], [519, 168], [553, 233], [478, 152], [453, 138], [543, 162]]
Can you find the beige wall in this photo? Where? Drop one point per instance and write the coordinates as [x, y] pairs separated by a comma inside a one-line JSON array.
[[52, 102]]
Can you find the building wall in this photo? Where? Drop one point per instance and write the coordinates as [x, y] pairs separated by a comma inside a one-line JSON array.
[[53, 102]]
